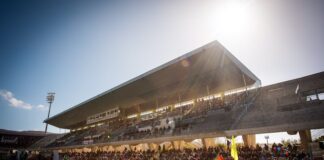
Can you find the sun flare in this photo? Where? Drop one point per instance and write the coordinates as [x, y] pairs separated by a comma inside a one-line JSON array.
[[233, 17]]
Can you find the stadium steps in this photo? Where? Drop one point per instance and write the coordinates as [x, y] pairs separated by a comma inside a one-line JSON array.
[[247, 106], [269, 115], [220, 119], [317, 152], [42, 143], [216, 120]]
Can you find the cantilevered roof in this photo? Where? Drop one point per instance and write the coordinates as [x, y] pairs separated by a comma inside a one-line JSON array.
[[23, 133], [208, 69]]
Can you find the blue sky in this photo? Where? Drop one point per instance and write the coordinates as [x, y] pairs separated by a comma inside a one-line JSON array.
[[79, 49]]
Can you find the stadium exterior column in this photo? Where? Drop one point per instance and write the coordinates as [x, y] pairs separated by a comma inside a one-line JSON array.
[[305, 139], [166, 145], [208, 142], [104, 148], [138, 109], [132, 147], [157, 105], [150, 146], [176, 144], [207, 89], [172, 145], [316, 94], [182, 145], [121, 148], [179, 99], [223, 97], [111, 148], [94, 149], [146, 146], [244, 81], [129, 147], [249, 140], [172, 107], [153, 146], [204, 143]]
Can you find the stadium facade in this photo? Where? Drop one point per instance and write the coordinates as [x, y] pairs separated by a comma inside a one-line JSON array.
[[203, 94]]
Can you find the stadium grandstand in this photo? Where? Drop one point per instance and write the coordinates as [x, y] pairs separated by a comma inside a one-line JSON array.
[[204, 94], [18, 141]]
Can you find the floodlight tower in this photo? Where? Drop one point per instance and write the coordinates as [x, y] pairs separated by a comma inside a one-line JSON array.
[[267, 137], [50, 99]]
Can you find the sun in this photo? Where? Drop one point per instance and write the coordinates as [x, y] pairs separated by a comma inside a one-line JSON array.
[[233, 17]]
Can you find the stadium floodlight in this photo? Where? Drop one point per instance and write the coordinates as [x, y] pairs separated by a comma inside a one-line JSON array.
[[267, 137], [50, 99]]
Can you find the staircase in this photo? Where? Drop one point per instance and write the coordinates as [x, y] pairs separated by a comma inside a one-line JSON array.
[[317, 152], [249, 102], [42, 143]]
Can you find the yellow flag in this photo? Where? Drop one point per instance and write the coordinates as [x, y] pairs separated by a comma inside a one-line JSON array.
[[233, 149]]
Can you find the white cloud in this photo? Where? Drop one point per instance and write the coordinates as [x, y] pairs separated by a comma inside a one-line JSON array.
[[17, 103], [41, 107]]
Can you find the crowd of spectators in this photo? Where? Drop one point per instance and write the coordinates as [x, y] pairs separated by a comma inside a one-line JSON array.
[[26, 155], [279, 151], [184, 117]]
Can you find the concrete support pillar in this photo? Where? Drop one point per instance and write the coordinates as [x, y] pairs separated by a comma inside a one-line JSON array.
[[204, 143], [166, 145], [153, 146], [176, 144], [182, 145], [192, 144], [94, 149], [129, 147], [133, 147], [139, 147], [125, 147], [249, 140], [305, 139], [111, 148], [105, 148], [146, 146], [120, 148], [138, 109], [208, 142], [87, 149], [172, 145]]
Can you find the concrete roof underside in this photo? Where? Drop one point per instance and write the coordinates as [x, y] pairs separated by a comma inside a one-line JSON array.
[[184, 78]]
